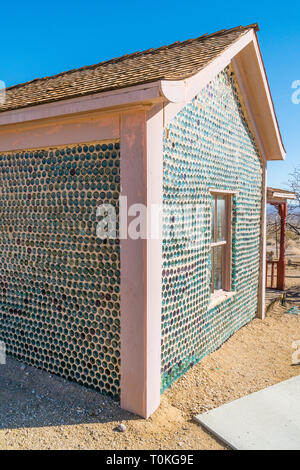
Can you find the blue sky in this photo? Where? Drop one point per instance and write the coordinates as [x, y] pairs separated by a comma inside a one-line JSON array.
[[43, 38]]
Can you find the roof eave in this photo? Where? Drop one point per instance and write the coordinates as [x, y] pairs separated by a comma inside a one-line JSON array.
[[247, 62], [244, 54], [110, 101], [250, 70], [277, 195]]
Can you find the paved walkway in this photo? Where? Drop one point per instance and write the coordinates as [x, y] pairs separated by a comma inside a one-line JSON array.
[[265, 420]]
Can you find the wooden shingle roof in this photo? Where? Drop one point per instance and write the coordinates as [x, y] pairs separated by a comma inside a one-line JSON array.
[[174, 62]]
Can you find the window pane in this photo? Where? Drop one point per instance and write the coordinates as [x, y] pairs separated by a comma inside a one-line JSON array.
[[218, 258], [213, 202], [221, 218]]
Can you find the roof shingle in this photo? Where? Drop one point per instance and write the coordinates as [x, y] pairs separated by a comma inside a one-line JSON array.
[[174, 62]]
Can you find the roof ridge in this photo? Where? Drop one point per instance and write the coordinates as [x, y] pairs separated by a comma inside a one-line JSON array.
[[137, 54]]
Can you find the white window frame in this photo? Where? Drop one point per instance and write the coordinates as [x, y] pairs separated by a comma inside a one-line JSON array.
[[227, 258]]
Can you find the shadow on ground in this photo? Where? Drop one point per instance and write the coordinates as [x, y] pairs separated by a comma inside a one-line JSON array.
[[30, 397]]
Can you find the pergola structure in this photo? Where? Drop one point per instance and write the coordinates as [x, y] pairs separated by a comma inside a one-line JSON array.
[[279, 198]]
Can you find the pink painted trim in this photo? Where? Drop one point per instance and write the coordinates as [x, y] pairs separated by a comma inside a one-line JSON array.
[[197, 82], [141, 265], [133, 268], [61, 131], [263, 249], [99, 101], [154, 259], [141, 181], [252, 81], [246, 52]]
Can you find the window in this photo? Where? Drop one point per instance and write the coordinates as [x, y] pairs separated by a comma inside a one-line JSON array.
[[221, 210]]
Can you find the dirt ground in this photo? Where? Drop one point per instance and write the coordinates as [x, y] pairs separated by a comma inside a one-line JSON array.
[[39, 411]]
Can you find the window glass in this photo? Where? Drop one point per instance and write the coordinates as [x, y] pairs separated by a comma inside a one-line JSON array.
[[221, 219], [220, 242], [218, 263], [213, 205]]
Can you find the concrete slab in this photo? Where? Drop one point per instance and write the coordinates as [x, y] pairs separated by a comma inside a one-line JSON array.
[[265, 420]]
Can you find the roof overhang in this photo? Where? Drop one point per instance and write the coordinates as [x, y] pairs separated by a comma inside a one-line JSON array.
[[245, 57], [252, 75], [140, 95], [243, 54], [279, 196]]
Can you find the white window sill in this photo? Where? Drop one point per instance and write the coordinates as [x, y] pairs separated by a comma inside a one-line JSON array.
[[219, 297]]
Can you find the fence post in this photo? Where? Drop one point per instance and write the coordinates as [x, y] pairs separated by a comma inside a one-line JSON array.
[[282, 209]]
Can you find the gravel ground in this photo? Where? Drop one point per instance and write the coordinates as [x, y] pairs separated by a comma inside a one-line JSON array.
[[40, 411]]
